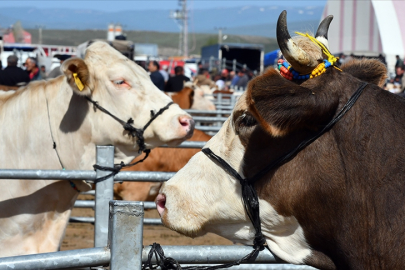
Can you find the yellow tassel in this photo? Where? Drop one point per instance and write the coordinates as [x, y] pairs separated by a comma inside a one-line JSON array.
[[78, 82], [332, 59]]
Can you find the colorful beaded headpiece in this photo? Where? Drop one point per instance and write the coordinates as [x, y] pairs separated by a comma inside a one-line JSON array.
[[289, 73]]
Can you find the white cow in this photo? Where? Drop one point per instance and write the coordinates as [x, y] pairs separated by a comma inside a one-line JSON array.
[[34, 214]]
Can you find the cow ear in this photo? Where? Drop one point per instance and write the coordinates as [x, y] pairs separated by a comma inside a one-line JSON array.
[[368, 70], [78, 76], [282, 106]]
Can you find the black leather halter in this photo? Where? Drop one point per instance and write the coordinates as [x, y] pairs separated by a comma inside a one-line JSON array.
[[249, 196]]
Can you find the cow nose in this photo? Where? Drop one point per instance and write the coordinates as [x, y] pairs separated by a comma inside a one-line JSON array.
[[160, 203], [187, 123]]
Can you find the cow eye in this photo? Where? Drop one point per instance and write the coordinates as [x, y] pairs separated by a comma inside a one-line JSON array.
[[119, 82], [245, 122]]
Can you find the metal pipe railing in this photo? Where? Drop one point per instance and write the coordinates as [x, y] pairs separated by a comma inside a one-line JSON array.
[[211, 254], [146, 221], [90, 204], [87, 175], [70, 259]]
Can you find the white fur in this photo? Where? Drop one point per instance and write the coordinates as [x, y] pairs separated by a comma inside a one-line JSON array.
[[203, 198], [324, 41], [34, 214]]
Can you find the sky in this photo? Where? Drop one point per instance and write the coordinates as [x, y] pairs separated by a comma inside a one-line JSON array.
[[105, 5]]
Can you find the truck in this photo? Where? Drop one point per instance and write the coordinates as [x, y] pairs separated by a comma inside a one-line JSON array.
[[233, 56]]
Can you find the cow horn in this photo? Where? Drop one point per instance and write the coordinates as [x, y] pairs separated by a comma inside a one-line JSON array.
[[322, 32], [297, 57]]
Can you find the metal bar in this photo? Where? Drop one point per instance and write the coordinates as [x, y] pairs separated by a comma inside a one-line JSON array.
[[70, 259], [208, 128], [47, 174], [262, 266], [187, 144], [90, 192], [209, 112], [146, 221], [104, 194], [125, 234], [149, 205], [143, 176], [90, 204], [51, 174], [59, 175], [212, 254], [210, 119], [84, 204], [81, 220]]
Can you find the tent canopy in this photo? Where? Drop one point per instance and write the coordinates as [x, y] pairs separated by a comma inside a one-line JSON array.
[[367, 27]]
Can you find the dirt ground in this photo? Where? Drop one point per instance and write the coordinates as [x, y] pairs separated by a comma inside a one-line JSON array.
[[81, 235]]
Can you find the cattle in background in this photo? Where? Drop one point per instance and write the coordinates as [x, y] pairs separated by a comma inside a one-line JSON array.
[[159, 160], [34, 214], [184, 98], [337, 204]]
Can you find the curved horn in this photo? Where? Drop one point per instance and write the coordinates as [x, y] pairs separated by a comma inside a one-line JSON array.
[[282, 31], [322, 32], [324, 27], [297, 57]]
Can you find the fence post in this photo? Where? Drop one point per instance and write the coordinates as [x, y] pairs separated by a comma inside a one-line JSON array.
[[125, 235], [234, 65], [104, 193]]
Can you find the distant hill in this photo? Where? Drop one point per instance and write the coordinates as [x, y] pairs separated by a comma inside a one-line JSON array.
[[247, 20], [167, 42]]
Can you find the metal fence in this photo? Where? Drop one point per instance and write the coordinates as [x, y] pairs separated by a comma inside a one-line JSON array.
[[119, 228]]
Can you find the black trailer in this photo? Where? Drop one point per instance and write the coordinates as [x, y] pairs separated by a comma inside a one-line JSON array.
[[233, 56]]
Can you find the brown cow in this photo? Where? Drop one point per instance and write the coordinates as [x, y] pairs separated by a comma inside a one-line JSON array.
[[337, 204], [185, 98]]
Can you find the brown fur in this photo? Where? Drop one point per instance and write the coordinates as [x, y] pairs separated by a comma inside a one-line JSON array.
[[346, 189], [184, 98], [372, 71], [159, 160], [8, 88]]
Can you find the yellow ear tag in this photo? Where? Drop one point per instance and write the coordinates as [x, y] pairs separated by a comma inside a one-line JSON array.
[[78, 82]]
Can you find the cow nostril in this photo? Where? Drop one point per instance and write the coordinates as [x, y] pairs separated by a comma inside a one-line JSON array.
[[160, 203], [186, 121]]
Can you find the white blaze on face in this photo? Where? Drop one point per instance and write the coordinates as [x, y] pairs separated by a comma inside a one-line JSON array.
[[203, 198]]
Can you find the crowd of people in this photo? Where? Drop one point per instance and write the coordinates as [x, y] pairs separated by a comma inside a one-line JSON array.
[[224, 80], [14, 76]]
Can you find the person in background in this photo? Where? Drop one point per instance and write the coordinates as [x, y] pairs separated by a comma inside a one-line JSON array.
[[399, 64], [33, 69], [56, 72], [13, 75], [243, 79], [165, 73], [155, 75], [204, 78], [235, 79], [382, 59], [176, 83], [43, 72]]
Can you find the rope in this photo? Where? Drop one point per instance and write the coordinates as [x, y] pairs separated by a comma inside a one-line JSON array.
[[73, 185], [135, 132], [166, 263], [117, 167]]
